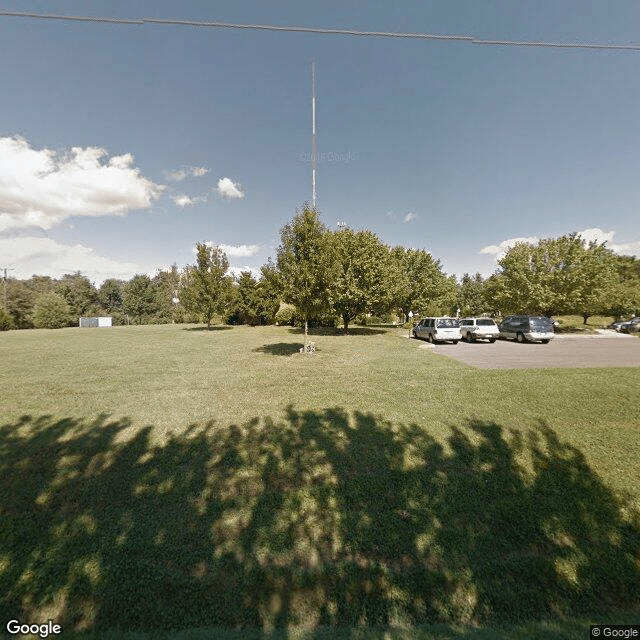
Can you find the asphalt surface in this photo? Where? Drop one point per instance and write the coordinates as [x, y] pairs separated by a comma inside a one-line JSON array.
[[607, 349]]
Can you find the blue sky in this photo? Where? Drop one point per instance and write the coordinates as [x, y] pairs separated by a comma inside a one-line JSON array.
[[121, 146]]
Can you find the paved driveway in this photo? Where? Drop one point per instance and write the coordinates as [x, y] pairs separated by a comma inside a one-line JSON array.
[[609, 349]]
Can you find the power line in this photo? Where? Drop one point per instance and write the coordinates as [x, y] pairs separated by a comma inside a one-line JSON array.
[[318, 30], [53, 16]]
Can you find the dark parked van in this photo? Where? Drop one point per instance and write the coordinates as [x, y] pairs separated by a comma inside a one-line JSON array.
[[527, 328]]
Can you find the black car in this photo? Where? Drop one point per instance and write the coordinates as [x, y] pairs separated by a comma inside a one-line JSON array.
[[632, 326], [617, 324]]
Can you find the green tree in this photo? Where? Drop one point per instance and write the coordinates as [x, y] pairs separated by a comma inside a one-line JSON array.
[[361, 282], [305, 264], [111, 294], [80, 294], [420, 284], [471, 295], [553, 276], [597, 279], [20, 300], [245, 297], [51, 311], [286, 314], [168, 290], [268, 293], [42, 284], [624, 297], [206, 287], [6, 321], [141, 299], [519, 286]]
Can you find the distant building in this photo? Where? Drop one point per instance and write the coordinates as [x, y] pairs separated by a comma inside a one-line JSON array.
[[103, 321]]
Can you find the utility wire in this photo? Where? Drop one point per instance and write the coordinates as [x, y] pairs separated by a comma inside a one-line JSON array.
[[318, 30]]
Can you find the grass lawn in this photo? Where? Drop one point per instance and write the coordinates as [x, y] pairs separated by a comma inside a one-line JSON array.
[[168, 477], [575, 324]]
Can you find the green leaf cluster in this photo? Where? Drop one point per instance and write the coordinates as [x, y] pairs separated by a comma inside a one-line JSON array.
[[362, 274], [305, 264], [555, 276], [206, 288], [421, 286], [51, 311]]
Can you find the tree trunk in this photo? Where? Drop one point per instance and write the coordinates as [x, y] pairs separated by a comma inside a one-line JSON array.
[[208, 324], [585, 317], [345, 321], [306, 334]]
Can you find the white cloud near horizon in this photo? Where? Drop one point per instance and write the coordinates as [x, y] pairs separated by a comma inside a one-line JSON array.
[[188, 172], [598, 235], [240, 251], [236, 271], [41, 188], [46, 257], [410, 217], [229, 189], [588, 235], [499, 250]]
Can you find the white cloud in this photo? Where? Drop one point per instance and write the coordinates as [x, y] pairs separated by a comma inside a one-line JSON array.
[[236, 271], [499, 250], [183, 200], [40, 188], [47, 257], [229, 189], [410, 217], [598, 235], [240, 251], [588, 235], [187, 172]]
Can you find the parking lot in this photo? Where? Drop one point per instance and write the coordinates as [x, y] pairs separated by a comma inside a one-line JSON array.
[[600, 350]]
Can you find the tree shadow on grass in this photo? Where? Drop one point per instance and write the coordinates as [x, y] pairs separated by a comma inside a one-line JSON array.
[[215, 327], [321, 518], [336, 331], [280, 348]]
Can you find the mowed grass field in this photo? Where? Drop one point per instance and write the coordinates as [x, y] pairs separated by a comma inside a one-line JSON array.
[[169, 477]]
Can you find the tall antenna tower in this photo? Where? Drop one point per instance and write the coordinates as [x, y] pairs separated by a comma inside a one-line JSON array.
[[314, 141], [5, 269]]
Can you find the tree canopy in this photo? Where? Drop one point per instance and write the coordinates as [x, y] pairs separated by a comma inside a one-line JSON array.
[[306, 266], [555, 276], [321, 275], [206, 286], [363, 276], [421, 285]]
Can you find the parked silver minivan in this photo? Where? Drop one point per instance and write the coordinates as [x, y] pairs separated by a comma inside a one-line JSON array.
[[438, 330], [527, 328]]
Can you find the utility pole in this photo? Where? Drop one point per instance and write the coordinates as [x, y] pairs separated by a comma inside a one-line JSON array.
[[5, 269], [314, 142]]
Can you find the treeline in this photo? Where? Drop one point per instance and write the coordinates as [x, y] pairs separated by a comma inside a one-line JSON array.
[[557, 276], [337, 277]]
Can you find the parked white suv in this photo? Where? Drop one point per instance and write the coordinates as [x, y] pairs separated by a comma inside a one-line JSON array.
[[438, 330], [473, 329]]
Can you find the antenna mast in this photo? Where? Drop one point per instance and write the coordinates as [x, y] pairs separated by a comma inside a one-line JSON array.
[[314, 142], [5, 269]]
